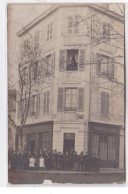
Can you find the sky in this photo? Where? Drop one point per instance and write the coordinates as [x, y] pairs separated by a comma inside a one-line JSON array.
[[19, 15]]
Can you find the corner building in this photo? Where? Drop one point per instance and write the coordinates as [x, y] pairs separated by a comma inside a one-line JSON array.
[[81, 103]]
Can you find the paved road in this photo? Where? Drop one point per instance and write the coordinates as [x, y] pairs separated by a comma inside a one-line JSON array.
[[38, 178]]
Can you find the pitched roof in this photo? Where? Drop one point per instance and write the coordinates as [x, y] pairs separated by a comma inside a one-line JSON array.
[[55, 7]]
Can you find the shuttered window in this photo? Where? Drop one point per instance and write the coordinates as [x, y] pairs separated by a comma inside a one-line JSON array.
[[50, 31], [33, 105], [60, 99], [80, 99], [81, 59], [37, 39], [46, 102], [70, 99], [105, 66], [62, 60], [52, 62], [106, 31], [104, 110]]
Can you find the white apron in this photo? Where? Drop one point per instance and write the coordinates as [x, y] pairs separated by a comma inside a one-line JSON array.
[[32, 162], [41, 163]]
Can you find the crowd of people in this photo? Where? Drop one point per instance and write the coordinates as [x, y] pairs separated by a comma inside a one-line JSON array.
[[53, 160]]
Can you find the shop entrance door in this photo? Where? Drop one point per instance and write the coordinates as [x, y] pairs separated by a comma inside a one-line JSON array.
[[69, 142]]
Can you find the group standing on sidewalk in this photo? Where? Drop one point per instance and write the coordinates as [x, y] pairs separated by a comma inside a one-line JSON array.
[[53, 160]]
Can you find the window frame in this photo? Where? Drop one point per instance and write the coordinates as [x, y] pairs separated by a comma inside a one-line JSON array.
[[70, 108], [50, 31], [110, 64], [46, 102], [105, 113], [72, 21]]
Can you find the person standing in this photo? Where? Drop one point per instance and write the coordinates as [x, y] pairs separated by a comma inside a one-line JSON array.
[[41, 163], [32, 163]]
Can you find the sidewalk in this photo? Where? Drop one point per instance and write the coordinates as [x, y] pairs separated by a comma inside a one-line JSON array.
[[102, 171]]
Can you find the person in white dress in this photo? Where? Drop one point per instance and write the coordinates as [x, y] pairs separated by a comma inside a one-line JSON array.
[[31, 162], [41, 162]]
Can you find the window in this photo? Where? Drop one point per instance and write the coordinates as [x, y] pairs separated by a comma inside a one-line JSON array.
[[37, 39], [106, 31], [70, 99], [44, 142], [73, 24], [25, 74], [35, 70], [35, 105], [95, 144], [46, 102], [50, 31], [105, 66], [105, 146], [104, 109], [71, 60]]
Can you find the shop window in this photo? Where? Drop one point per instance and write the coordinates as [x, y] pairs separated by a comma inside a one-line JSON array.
[[104, 106], [44, 142], [50, 31], [105, 146], [111, 148], [46, 102], [73, 24], [95, 144]]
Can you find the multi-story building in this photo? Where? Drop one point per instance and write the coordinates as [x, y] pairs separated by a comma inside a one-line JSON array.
[[79, 105]]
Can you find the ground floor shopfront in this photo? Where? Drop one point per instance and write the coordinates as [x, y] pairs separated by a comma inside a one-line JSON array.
[[102, 140], [36, 137]]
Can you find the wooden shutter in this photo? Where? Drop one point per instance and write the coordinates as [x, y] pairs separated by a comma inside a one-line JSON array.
[[81, 59], [62, 60], [98, 62], [19, 109], [112, 67], [102, 105], [44, 105], [52, 62], [80, 99], [48, 94], [38, 104], [108, 31], [106, 104], [60, 99]]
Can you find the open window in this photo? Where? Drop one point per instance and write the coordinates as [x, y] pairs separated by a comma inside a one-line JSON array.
[[72, 60]]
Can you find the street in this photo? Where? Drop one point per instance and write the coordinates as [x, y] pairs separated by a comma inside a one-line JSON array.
[[61, 178]]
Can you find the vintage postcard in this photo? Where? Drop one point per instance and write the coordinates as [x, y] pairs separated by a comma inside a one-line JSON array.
[[66, 86]]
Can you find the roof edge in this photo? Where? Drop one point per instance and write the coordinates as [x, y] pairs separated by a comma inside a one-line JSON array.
[[55, 7]]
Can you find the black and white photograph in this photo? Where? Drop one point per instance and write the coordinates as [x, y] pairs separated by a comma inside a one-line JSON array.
[[66, 93]]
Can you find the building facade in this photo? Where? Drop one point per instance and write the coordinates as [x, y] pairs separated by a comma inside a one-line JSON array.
[[78, 104], [11, 119]]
